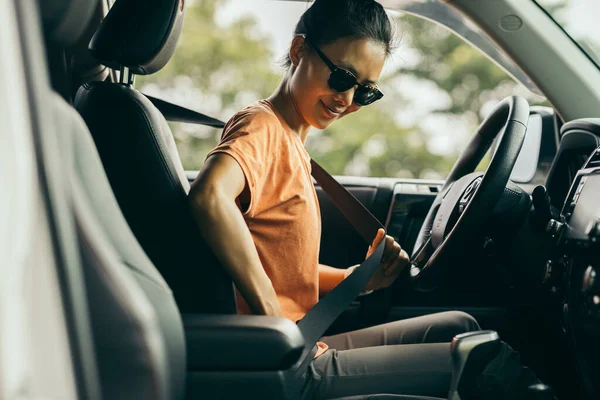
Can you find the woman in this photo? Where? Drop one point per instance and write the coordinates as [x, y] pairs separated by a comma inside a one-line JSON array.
[[256, 206]]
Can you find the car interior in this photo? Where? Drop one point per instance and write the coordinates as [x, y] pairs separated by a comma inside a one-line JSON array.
[[150, 314]]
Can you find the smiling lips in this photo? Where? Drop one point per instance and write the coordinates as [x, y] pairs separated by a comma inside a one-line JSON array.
[[332, 112]]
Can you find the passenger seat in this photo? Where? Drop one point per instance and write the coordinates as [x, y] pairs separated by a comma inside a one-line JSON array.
[[137, 330], [139, 155]]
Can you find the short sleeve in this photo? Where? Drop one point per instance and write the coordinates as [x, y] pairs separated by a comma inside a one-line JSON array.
[[247, 139]]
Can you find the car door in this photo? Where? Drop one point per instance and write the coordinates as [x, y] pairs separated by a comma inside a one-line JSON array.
[[45, 347]]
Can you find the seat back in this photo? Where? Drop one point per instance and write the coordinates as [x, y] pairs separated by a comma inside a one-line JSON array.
[[136, 326], [137, 330], [139, 155]]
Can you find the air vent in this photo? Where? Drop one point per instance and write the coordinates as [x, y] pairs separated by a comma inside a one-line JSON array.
[[594, 160]]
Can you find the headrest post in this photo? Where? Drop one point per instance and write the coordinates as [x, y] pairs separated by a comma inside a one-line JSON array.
[[126, 77]]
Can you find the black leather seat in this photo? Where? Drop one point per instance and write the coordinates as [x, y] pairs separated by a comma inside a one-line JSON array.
[[137, 329], [139, 155]]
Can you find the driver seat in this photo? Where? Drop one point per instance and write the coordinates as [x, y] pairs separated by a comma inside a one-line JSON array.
[[139, 155]]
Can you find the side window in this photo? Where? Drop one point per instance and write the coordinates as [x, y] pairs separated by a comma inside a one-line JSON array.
[[437, 89]]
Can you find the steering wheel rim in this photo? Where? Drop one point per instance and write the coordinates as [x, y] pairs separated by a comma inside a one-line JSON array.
[[476, 193]]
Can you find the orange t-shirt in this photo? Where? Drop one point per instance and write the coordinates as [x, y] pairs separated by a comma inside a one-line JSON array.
[[283, 215]]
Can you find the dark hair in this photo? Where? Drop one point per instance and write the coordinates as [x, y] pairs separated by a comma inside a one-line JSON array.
[[326, 21]]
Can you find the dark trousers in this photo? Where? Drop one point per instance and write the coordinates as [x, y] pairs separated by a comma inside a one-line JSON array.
[[411, 356]]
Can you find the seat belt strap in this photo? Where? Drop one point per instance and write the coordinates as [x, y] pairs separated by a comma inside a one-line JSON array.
[[355, 212], [320, 317], [175, 113]]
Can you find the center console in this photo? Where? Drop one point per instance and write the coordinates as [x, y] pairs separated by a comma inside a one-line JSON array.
[[575, 263]]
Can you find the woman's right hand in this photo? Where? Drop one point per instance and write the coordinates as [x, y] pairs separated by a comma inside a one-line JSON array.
[[393, 262]]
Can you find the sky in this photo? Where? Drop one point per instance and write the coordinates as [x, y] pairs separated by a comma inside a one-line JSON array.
[[276, 18]]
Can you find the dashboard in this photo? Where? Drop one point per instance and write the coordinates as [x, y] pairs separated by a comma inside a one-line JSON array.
[[559, 246], [575, 261]]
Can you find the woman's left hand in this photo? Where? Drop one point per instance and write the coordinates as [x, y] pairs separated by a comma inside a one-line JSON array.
[[393, 262]]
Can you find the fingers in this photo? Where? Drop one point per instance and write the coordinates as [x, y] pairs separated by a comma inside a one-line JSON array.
[[396, 264], [388, 272], [404, 256], [393, 261], [390, 251], [378, 238]]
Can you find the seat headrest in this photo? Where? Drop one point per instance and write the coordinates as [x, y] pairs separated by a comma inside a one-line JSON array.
[[139, 34], [65, 21]]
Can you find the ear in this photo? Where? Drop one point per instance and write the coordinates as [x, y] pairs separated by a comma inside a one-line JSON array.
[[297, 50]]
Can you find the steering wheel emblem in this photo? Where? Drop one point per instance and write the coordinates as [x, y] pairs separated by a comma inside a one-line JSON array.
[[468, 194]]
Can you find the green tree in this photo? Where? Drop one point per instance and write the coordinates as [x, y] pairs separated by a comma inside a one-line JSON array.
[[453, 65]]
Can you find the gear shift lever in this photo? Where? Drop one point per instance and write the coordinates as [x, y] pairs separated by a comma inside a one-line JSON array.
[[471, 352]]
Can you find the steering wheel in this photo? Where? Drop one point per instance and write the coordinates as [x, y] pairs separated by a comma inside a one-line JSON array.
[[468, 198]]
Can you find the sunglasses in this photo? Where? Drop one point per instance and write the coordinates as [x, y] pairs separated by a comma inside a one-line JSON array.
[[341, 80]]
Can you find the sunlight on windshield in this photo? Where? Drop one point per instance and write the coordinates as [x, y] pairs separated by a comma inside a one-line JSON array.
[[580, 19]]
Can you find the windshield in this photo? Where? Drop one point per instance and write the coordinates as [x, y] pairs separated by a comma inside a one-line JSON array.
[[579, 18]]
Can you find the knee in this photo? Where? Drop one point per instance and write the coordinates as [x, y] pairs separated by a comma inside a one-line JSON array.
[[463, 322], [448, 324]]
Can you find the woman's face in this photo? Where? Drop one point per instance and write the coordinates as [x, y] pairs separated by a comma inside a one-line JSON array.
[[317, 103]]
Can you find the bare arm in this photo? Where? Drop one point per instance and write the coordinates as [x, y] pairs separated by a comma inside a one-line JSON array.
[[213, 203], [329, 277]]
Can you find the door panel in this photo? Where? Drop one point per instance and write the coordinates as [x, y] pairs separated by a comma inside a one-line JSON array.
[[341, 244]]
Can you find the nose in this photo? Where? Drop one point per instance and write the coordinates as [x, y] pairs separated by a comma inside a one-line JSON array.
[[345, 98]]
